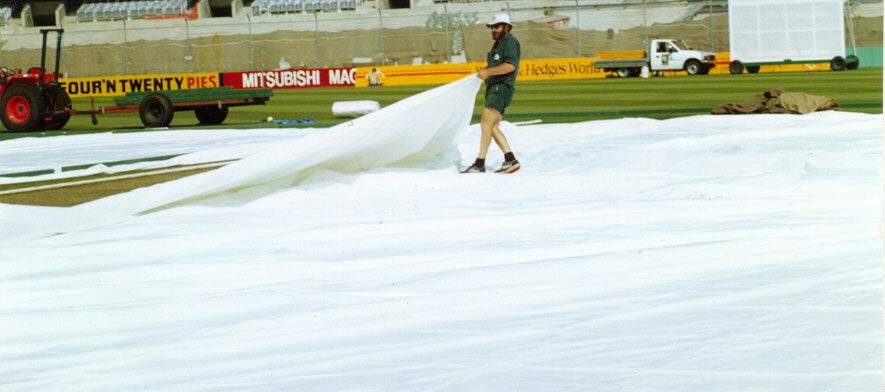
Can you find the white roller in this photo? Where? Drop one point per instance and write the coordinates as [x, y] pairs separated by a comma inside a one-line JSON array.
[[354, 108]]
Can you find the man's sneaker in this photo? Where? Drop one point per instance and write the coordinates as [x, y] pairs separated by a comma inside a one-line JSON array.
[[508, 167], [474, 169]]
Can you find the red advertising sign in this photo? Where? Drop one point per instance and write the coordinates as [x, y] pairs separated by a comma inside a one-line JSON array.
[[290, 78]]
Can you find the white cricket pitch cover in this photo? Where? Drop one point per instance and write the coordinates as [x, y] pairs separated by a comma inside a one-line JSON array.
[[778, 30], [703, 253], [417, 128]]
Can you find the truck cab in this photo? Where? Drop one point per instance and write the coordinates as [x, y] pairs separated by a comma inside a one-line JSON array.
[[675, 55]]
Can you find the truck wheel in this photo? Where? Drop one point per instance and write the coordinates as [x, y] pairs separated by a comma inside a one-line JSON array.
[[693, 67], [22, 108], [210, 115], [854, 64], [156, 110], [736, 67], [837, 63], [61, 102], [624, 72], [753, 69]]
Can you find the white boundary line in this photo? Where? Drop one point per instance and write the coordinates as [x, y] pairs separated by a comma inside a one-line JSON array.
[[123, 177]]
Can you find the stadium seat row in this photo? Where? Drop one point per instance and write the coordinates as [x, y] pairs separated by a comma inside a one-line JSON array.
[[130, 9], [287, 6]]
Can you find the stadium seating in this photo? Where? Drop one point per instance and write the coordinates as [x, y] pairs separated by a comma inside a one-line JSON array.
[[291, 6], [5, 15], [130, 9]]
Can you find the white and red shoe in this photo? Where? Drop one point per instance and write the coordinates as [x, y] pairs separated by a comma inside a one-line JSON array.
[[509, 167]]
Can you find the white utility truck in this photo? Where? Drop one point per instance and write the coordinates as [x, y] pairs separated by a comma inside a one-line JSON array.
[[662, 55]]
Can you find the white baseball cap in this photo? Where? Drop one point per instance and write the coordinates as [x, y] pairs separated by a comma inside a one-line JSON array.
[[500, 18]]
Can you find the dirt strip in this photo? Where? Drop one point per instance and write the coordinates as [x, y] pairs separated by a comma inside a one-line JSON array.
[[73, 193]]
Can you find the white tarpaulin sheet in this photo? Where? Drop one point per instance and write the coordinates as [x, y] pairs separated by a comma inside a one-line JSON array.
[[417, 128], [778, 30], [697, 254]]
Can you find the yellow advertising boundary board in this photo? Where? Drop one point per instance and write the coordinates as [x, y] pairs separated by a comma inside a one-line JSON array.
[[550, 69], [109, 86], [724, 59], [403, 75]]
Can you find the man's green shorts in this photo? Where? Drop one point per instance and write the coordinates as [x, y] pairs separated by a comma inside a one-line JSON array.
[[498, 96]]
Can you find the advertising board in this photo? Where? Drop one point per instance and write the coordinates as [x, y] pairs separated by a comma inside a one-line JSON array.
[[290, 78], [545, 69], [108, 86]]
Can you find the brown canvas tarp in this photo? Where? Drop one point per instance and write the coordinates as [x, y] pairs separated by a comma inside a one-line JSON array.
[[779, 100]]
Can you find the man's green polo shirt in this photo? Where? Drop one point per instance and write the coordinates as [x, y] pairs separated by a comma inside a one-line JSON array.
[[506, 51]]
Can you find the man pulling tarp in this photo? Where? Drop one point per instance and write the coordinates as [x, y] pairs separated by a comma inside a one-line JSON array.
[[779, 100]]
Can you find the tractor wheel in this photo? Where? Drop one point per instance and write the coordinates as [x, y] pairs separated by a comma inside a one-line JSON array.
[[60, 103], [693, 67], [156, 110], [210, 115], [736, 67], [753, 69], [838, 63], [22, 108]]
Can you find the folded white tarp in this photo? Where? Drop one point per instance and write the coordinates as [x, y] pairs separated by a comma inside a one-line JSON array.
[[416, 128]]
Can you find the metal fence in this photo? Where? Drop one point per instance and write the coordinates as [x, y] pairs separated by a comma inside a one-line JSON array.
[[443, 33]]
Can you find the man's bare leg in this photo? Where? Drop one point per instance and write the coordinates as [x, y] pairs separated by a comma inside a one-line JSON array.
[[489, 123]]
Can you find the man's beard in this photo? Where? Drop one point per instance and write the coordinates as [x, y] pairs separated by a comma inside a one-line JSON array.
[[498, 35]]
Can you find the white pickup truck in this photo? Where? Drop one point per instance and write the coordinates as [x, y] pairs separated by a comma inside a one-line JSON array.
[[662, 55]]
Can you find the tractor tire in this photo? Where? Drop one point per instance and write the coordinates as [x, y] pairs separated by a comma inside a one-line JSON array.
[[838, 63], [156, 111], [61, 102], [210, 115], [736, 67], [753, 69], [693, 67], [22, 108]]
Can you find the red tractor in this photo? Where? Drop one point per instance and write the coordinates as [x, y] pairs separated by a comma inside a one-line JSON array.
[[34, 101]]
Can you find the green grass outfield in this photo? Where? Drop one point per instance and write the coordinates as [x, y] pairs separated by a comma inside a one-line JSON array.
[[550, 101]]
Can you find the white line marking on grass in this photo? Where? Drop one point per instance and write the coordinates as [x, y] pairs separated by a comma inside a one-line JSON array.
[[123, 177]]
